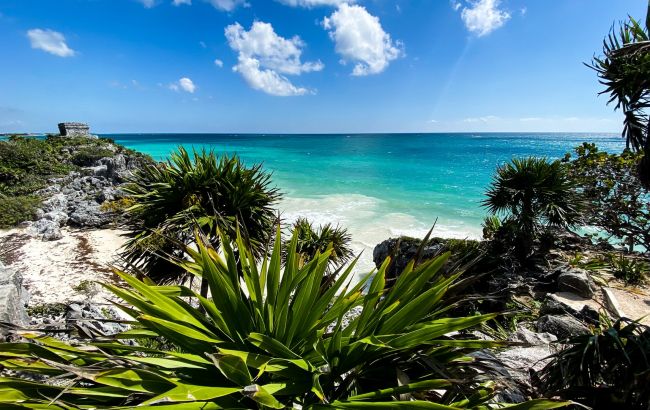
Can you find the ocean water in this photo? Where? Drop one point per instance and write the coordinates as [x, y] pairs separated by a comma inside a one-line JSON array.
[[379, 185]]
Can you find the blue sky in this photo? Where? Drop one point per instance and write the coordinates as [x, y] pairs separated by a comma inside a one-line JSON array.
[[276, 66]]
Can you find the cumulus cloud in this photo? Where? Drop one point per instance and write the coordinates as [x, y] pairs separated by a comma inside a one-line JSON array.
[[314, 3], [360, 38], [482, 17], [181, 2], [227, 5], [148, 3], [218, 63], [264, 56], [184, 84], [50, 41]]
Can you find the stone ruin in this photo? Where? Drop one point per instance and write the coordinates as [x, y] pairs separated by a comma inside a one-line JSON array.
[[74, 129]]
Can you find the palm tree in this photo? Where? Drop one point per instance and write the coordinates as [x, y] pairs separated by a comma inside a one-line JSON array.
[[194, 193], [533, 193], [314, 240], [624, 70]]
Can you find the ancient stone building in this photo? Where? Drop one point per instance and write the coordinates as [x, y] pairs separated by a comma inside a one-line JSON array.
[[74, 129]]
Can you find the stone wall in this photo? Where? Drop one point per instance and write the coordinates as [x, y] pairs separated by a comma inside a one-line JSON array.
[[74, 129]]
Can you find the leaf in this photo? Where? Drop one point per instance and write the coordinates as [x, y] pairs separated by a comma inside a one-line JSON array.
[[233, 368]]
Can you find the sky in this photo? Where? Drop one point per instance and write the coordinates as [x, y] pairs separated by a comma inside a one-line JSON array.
[[306, 66]]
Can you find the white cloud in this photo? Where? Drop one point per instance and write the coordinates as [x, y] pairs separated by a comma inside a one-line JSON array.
[[314, 3], [50, 41], [484, 119], [181, 2], [184, 84], [455, 5], [148, 3], [227, 5], [218, 63], [264, 57], [360, 38], [482, 17]]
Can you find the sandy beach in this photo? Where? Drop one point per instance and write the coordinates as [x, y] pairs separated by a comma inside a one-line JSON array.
[[53, 270]]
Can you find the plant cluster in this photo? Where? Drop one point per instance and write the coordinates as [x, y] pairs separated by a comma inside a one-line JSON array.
[[624, 70], [267, 337], [609, 369], [533, 195], [619, 206], [189, 191]]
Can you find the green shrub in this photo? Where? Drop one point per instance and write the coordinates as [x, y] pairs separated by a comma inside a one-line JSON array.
[[14, 210], [312, 240], [88, 156], [189, 191], [609, 369], [267, 337], [47, 309], [631, 271]]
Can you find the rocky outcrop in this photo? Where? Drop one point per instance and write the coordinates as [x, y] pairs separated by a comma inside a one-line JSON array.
[[13, 298], [76, 199], [402, 250]]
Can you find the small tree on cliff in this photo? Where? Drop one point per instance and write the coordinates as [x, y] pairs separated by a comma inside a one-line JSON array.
[[532, 193]]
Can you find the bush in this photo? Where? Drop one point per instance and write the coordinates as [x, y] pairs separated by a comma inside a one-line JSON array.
[[14, 210], [312, 240], [619, 206], [187, 192], [631, 271], [533, 194], [269, 338], [88, 156], [609, 369]]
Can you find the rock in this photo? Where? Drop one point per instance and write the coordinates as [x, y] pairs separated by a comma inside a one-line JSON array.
[[89, 214], [56, 203], [562, 326], [576, 281], [402, 254], [52, 233], [552, 306], [524, 335], [13, 297]]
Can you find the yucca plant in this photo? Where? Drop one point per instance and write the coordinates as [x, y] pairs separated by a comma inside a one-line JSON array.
[[267, 337], [609, 369], [200, 189]]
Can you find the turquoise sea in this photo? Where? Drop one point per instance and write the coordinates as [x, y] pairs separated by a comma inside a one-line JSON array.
[[380, 185]]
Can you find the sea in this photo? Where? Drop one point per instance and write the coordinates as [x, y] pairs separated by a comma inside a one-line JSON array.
[[379, 185]]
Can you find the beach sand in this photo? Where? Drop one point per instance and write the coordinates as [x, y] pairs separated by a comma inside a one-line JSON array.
[[52, 269]]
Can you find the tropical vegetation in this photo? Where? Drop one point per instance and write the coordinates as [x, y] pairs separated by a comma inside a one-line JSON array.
[[266, 337], [618, 205], [168, 201], [609, 369], [532, 194], [624, 70]]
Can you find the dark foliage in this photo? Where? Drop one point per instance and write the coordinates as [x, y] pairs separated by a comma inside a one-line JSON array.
[[606, 370]]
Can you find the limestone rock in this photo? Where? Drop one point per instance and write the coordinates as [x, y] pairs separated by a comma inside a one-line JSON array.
[[524, 335], [13, 297], [562, 326], [576, 281], [402, 254]]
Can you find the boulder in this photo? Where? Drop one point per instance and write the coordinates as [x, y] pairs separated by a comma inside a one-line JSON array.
[[403, 251], [89, 214], [524, 335], [562, 326], [576, 281], [13, 297]]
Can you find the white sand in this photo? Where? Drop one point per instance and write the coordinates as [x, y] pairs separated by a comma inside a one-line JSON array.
[[51, 269]]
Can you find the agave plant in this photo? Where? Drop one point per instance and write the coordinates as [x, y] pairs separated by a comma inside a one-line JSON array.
[[609, 369], [267, 337], [533, 193], [171, 199]]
